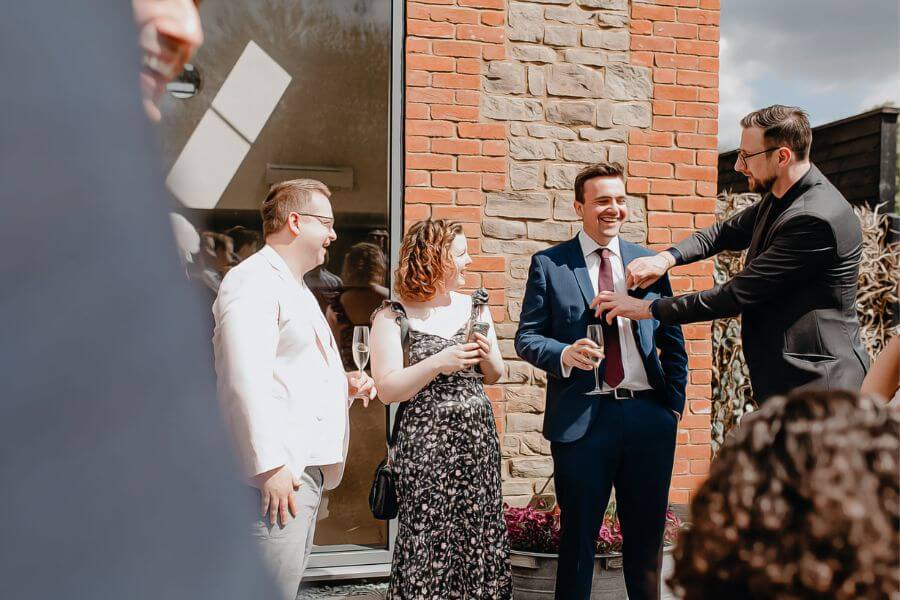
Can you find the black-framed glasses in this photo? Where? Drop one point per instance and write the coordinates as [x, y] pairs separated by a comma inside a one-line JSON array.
[[326, 221], [742, 156]]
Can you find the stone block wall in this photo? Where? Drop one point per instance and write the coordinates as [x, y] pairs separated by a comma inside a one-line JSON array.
[[505, 102]]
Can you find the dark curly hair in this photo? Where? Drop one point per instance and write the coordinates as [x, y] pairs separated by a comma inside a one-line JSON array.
[[425, 259], [802, 503]]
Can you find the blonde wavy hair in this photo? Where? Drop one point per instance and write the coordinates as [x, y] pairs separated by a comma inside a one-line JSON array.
[[425, 259]]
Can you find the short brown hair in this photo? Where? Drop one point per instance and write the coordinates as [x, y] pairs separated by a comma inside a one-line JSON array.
[[802, 502], [602, 169], [425, 259], [364, 264], [783, 125], [287, 197]]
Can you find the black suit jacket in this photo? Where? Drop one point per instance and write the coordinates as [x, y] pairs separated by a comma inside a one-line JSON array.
[[796, 294]]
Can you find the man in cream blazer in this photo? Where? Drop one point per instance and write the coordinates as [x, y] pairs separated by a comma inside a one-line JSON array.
[[281, 382]]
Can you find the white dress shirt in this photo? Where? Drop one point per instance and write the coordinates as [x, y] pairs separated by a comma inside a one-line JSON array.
[[281, 382], [635, 374]]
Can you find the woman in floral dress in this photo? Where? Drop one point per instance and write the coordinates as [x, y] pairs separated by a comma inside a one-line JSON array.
[[452, 541]]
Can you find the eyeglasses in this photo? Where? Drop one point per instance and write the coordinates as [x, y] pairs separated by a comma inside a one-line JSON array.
[[326, 221], [743, 156]]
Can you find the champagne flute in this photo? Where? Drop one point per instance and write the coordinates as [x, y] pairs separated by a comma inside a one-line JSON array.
[[472, 328], [595, 334], [360, 351]]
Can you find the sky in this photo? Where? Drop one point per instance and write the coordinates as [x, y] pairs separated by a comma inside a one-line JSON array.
[[833, 58]]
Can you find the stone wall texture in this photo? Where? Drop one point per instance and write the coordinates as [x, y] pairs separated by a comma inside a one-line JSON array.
[[505, 102]]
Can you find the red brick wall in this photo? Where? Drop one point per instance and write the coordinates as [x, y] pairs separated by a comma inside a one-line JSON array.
[[675, 164], [453, 156]]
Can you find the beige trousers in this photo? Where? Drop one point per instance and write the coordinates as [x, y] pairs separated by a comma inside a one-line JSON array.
[[285, 550]]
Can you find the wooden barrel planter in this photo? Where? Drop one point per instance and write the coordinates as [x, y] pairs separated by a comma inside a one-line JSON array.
[[534, 576]]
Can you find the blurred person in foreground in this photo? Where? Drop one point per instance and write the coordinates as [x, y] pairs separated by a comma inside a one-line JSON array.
[[169, 32], [803, 502], [116, 474]]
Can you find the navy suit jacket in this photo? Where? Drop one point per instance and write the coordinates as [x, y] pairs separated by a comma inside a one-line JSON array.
[[556, 313]]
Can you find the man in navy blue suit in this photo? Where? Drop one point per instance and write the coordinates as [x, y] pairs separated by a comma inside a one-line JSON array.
[[624, 437]]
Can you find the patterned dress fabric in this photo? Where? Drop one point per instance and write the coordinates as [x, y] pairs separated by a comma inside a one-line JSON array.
[[452, 541]]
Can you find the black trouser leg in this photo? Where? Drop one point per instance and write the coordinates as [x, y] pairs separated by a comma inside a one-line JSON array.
[[642, 491], [583, 478]]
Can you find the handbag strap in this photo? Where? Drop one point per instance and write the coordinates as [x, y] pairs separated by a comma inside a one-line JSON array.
[[403, 322]]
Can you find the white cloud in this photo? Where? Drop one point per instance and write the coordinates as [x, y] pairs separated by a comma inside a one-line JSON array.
[[832, 57], [832, 43], [885, 91], [736, 94]]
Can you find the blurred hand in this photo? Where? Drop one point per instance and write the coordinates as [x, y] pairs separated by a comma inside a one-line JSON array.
[[276, 489], [583, 354]]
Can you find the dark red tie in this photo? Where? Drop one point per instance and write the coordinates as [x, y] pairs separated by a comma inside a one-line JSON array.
[[614, 373]]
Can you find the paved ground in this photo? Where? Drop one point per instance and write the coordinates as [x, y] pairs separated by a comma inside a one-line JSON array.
[[375, 590], [337, 591]]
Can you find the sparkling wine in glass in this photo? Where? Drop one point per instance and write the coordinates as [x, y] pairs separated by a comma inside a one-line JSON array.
[[595, 334], [360, 348], [473, 328]]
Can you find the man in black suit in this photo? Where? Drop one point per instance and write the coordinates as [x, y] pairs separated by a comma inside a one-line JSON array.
[[116, 474], [797, 291]]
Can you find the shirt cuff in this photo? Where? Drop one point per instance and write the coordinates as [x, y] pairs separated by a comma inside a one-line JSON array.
[[653, 309], [676, 254], [565, 370]]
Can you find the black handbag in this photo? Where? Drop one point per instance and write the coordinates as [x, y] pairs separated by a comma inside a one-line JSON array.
[[383, 496]]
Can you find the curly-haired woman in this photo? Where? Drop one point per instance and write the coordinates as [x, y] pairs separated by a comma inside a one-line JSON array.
[[451, 542], [803, 502]]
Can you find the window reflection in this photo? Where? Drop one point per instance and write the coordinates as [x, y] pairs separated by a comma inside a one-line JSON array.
[[361, 292], [295, 88]]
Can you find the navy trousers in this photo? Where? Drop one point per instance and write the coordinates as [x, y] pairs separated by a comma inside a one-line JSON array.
[[630, 445]]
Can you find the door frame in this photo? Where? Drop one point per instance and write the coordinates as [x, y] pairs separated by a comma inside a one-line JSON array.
[[352, 561]]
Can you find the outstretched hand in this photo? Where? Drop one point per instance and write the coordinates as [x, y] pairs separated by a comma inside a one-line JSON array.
[[614, 304], [645, 271]]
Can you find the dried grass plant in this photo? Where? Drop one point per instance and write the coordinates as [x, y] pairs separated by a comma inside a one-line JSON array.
[[878, 281]]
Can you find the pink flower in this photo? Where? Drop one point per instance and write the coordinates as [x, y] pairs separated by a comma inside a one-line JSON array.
[[532, 530]]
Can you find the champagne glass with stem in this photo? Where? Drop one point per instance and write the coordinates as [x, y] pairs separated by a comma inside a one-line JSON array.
[[595, 334], [360, 351]]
